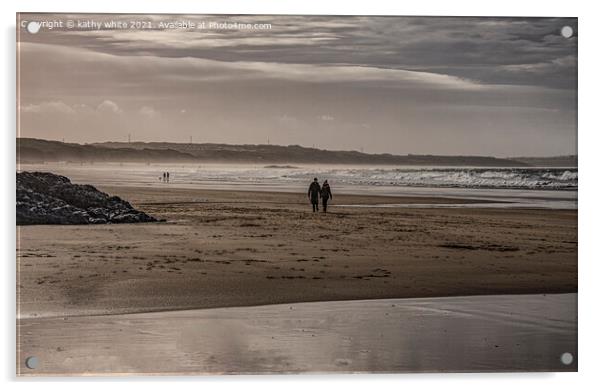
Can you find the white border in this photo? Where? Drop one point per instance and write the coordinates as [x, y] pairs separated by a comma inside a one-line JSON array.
[[589, 193]]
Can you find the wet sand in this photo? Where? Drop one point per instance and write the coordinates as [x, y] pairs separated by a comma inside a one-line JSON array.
[[478, 333], [236, 248]]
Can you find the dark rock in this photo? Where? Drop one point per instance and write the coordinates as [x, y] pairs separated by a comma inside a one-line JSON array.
[[46, 198]]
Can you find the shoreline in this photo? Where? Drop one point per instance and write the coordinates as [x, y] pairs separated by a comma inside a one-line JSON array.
[[167, 310], [251, 306], [252, 178]]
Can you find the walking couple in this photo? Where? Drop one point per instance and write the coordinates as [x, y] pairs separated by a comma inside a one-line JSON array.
[[316, 192]]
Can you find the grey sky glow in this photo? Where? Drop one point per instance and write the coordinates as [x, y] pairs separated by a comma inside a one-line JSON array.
[[420, 85]]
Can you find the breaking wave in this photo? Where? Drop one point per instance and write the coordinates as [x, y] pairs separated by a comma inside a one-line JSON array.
[[522, 178]]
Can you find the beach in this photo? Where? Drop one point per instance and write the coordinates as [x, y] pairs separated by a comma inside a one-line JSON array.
[[250, 280], [240, 248]]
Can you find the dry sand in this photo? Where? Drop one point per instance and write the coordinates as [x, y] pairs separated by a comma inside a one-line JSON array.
[[226, 248]]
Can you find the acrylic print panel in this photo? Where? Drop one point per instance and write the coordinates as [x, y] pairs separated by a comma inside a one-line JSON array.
[[210, 194]]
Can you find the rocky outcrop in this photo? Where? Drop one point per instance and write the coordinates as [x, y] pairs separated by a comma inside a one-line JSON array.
[[46, 198]]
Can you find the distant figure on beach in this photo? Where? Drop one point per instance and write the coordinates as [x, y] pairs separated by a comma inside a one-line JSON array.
[[326, 194], [167, 177], [314, 194], [164, 176]]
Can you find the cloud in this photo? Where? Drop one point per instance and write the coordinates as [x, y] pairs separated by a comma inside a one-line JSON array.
[[186, 40], [108, 106], [463, 47], [286, 118], [148, 112], [123, 71], [48, 107], [326, 118]]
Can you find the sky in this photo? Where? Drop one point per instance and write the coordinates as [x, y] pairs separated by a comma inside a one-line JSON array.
[[403, 85]]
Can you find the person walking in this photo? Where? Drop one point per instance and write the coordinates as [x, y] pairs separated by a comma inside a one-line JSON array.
[[326, 194], [314, 195], [168, 177]]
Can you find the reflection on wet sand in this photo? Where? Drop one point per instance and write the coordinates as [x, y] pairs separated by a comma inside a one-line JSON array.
[[478, 333]]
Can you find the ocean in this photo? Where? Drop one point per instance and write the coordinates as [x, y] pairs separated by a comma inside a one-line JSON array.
[[512, 187]]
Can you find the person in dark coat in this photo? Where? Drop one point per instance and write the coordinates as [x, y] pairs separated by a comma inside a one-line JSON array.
[[326, 194], [314, 195]]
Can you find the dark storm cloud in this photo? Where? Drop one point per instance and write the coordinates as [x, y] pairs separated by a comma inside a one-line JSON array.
[[488, 50], [395, 84]]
